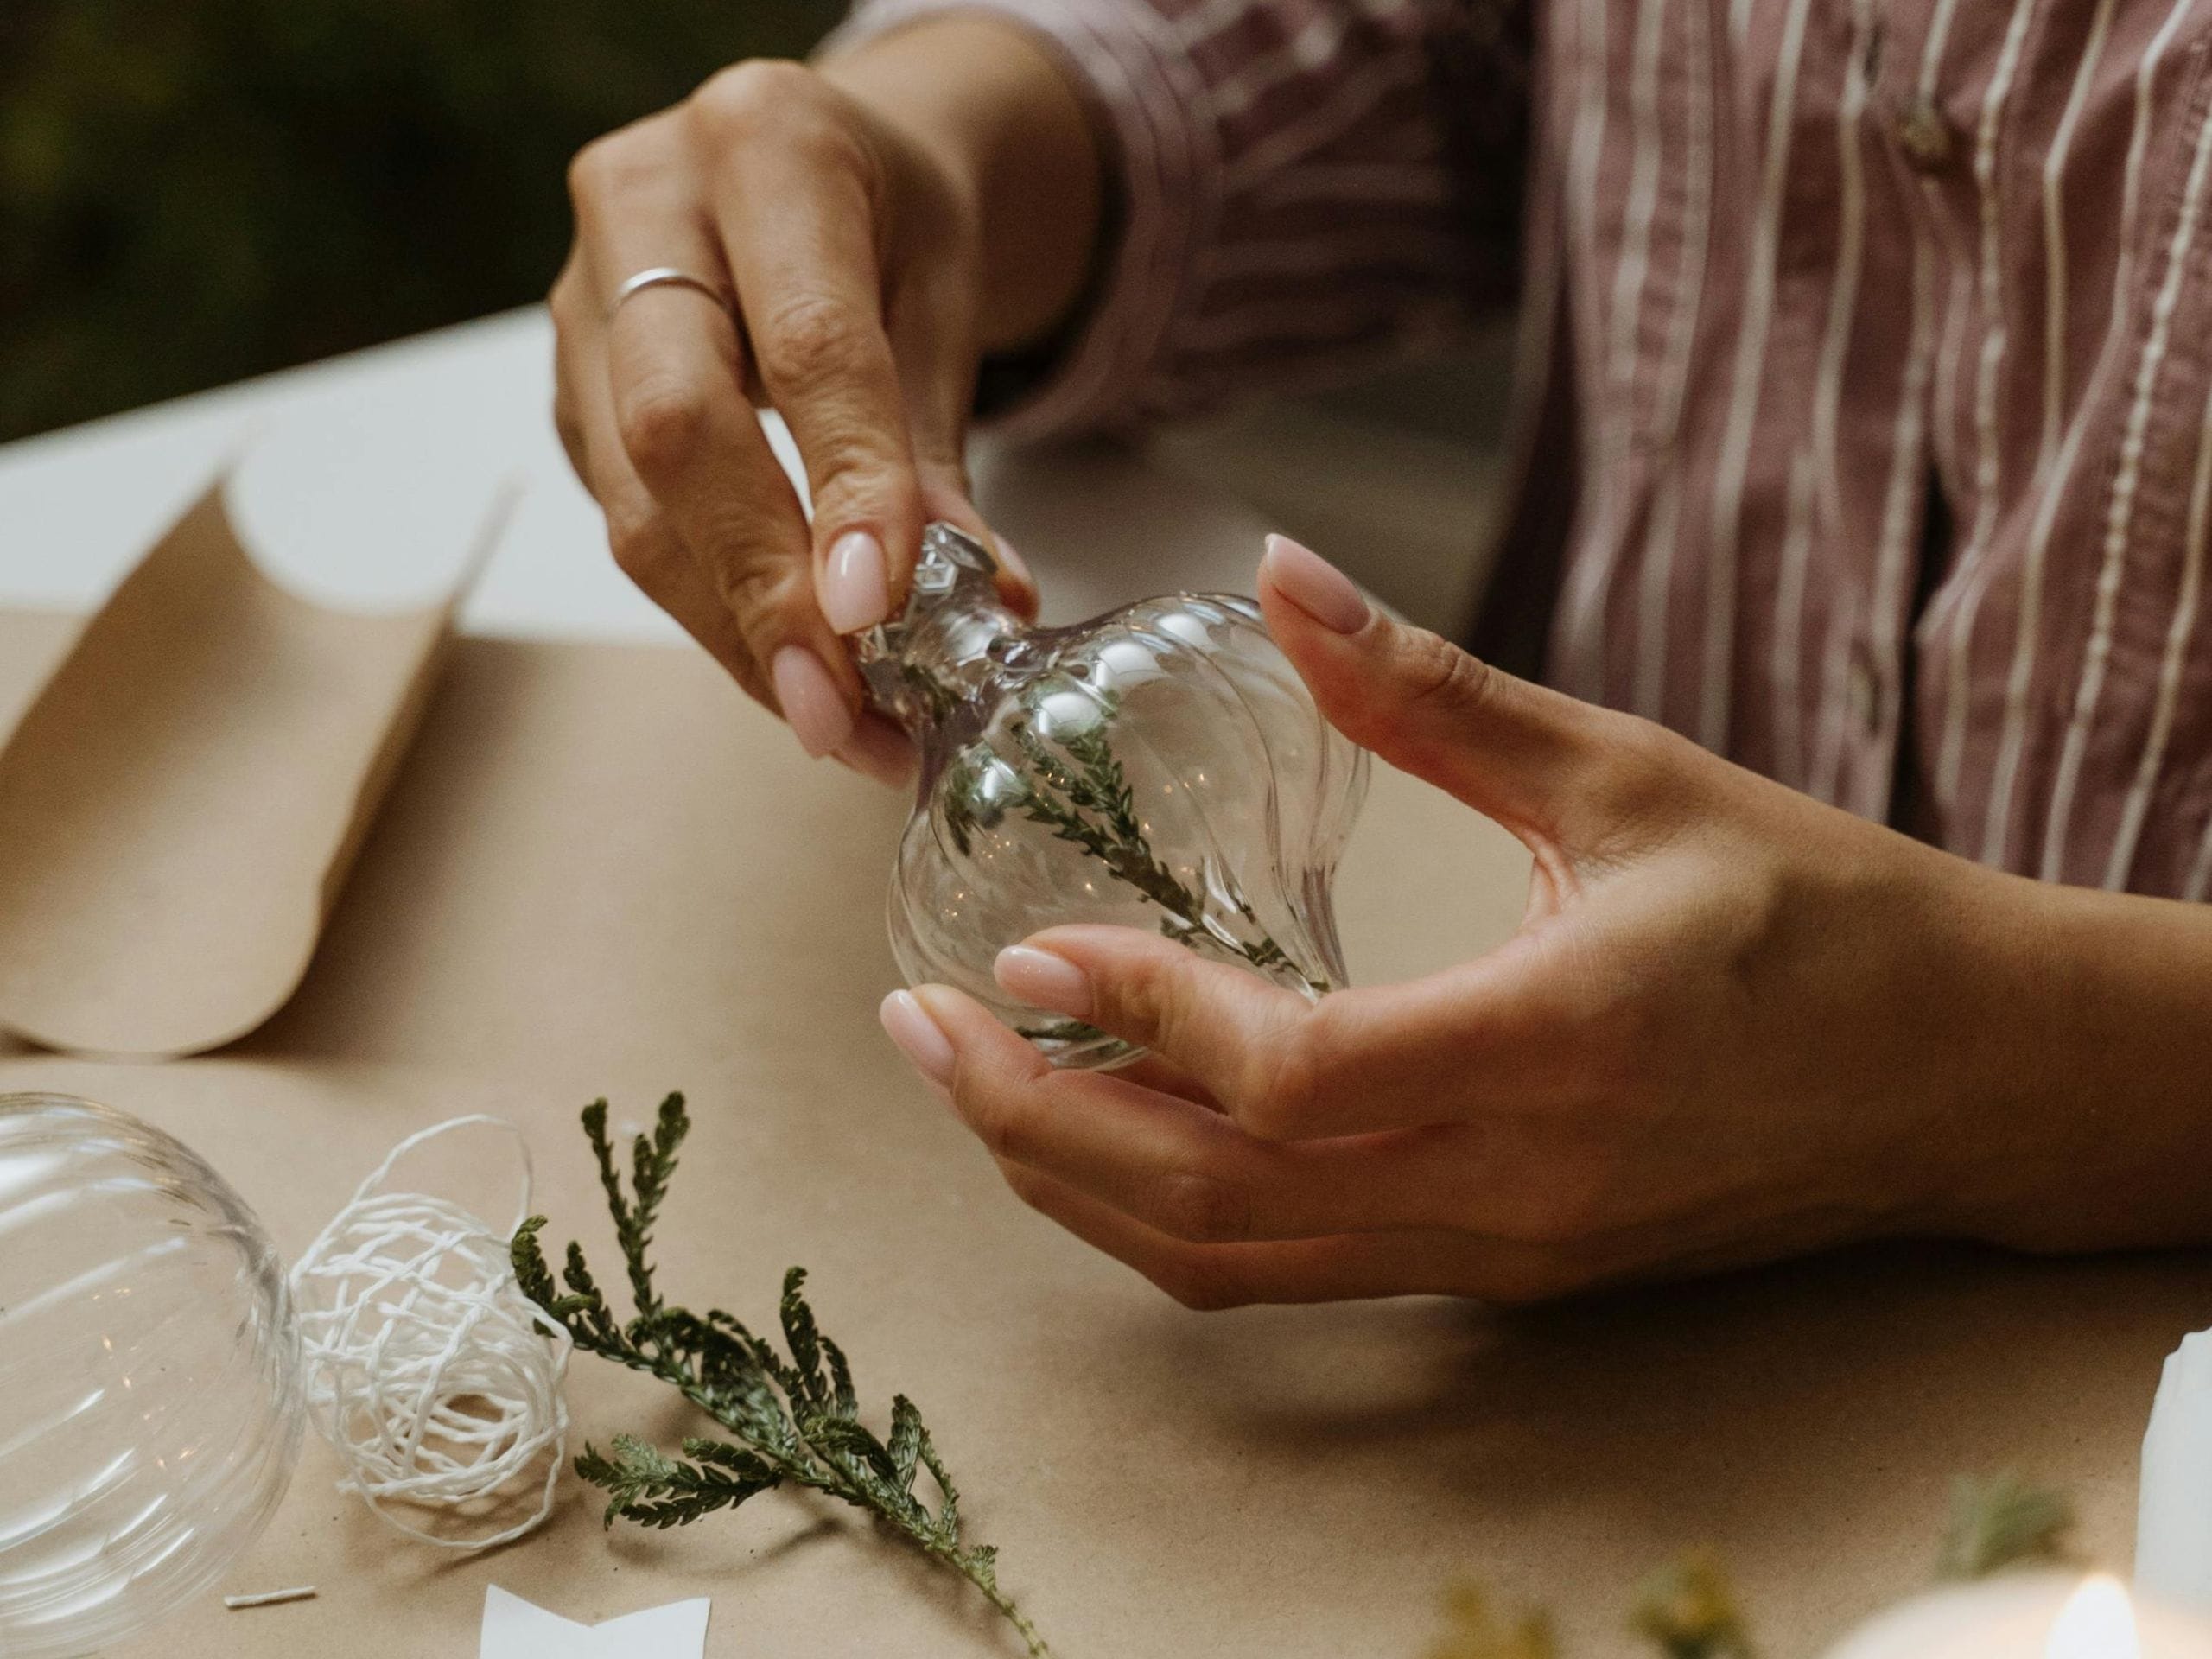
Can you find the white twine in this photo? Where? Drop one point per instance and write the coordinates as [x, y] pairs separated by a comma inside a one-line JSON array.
[[437, 1382]]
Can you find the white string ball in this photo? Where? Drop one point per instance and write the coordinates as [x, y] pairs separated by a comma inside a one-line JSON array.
[[436, 1381]]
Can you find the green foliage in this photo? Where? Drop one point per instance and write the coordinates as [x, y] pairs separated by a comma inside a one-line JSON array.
[[1060, 1031], [1687, 1609], [2003, 1521], [1475, 1630], [1080, 792], [656, 1490], [794, 1420], [191, 193]]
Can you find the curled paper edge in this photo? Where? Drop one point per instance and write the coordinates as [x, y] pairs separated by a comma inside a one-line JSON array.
[[184, 797]]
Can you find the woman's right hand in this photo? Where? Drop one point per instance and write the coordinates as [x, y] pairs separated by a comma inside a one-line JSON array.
[[850, 237]]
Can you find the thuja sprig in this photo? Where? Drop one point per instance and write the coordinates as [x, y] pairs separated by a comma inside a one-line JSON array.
[[1687, 1609], [1083, 796], [1477, 1630], [793, 1421], [1061, 1031], [2002, 1522]]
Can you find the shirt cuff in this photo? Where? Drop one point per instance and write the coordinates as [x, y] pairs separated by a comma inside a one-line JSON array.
[[1166, 180]]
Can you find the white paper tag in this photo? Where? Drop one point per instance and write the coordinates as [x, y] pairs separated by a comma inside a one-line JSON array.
[[513, 1629]]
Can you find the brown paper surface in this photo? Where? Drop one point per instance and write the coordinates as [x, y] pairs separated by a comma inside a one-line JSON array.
[[181, 801], [601, 871]]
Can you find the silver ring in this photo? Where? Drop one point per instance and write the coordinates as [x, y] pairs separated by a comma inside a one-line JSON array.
[[668, 277]]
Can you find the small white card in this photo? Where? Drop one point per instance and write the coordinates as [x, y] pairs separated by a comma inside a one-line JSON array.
[[513, 1629]]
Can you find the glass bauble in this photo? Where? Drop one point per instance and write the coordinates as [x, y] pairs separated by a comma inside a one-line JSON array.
[[150, 1399], [1162, 766]]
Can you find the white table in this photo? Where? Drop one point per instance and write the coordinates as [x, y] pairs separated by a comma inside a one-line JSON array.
[[363, 481]]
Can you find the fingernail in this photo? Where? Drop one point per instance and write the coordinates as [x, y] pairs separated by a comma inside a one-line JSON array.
[[1011, 561], [1043, 981], [878, 750], [811, 701], [918, 1037], [855, 586], [1315, 586]]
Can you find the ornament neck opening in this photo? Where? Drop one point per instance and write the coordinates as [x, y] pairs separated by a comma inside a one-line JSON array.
[[954, 635]]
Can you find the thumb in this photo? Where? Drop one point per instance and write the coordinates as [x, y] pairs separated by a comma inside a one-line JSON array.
[[1511, 750]]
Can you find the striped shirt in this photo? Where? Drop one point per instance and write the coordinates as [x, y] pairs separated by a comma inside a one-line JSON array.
[[1802, 280]]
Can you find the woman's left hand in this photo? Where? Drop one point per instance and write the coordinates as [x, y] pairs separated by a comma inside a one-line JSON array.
[[1735, 1024]]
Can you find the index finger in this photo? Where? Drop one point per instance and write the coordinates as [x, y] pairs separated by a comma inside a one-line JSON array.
[[792, 206], [673, 365]]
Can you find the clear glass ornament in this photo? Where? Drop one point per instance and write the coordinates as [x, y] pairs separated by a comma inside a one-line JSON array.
[[1162, 766], [150, 1399]]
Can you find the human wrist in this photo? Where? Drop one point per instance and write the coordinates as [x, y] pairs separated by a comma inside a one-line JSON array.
[[1006, 122], [2087, 1102], [1988, 1142], [1906, 1029]]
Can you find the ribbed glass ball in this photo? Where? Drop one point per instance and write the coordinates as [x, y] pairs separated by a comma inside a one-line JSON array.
[[150, 1398], [1162, 766]]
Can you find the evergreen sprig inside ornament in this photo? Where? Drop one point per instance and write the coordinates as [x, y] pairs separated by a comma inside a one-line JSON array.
[[791, 1420], [1083, 795]]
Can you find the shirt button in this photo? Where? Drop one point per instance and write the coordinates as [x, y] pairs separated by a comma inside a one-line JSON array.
[[1924, 133]]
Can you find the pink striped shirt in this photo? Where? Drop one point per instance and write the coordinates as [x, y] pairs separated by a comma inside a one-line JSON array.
[[1870, 361]]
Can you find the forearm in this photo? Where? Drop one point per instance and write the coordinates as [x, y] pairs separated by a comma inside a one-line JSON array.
[[1002, 116], [1246, 247], [2097, 1052]]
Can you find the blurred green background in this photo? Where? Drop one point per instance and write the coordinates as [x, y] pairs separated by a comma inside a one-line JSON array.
[[192, 191]]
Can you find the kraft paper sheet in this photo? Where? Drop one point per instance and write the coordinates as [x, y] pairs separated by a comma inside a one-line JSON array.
[[600, 871], [182, 802]]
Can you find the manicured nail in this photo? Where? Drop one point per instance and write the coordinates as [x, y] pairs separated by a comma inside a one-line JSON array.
[[1043, 981], [919, 1038], [1013, 563], [812, 701], [855, 588], [1315, 586]]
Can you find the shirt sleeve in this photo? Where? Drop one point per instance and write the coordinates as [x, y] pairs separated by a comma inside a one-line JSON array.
[[1304, 187]]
